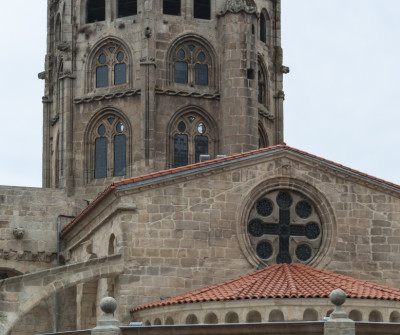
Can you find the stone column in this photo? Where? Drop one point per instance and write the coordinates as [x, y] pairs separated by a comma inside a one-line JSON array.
[[107, 325], [339, 323]]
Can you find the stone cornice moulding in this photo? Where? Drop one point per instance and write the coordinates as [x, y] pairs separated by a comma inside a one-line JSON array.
[[107, 96], [192, 94]]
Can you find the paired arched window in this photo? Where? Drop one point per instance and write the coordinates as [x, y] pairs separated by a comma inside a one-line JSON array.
[[191, 65], [202, 9], [191, 136], [95, 10], [127, 8], [110, 66], [172, 7], [110, 140]]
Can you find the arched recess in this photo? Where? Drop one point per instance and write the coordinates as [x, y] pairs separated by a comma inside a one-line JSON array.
[[191, 132], [58, 31], [111, 124], [253, 316], [169, 321], [192, 62], [355, 315], [322, 207], [394, 317], [276, 316], [110, 65], [375, 316], [157, 322], [211, 318], [263, 93], [231, 317], [262, 136], [191, 319], [310, 314]]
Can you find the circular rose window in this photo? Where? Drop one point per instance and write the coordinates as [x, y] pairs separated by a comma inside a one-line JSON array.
[[284, 227]]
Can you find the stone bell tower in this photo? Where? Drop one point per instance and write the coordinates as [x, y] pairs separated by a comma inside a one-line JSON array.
[[137, 86]]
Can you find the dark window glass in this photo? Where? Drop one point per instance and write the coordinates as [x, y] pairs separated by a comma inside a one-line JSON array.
[[181, 54], [202, 9], [181, 72], [120, 127], [119, 155], [102, 59], [96, 11], [127, 7], [172, 7], [100, 163], [181, 126], [260, 93], [201, 74], [120, 56], [102, 76], [119, 74], [101, 130], [180, 150], [200, 147], [263, 36], [201, 57]]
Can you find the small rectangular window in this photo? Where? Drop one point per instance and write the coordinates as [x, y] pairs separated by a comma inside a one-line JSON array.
[[102, 76], [181, 72], [100, 159], [120, 155], [172, 7], [120, 74], [180, 150], [202, 9], [201, 74], [96, 11], [127, 8]]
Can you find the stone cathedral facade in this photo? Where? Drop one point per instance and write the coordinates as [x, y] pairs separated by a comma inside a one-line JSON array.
[[165, 171], [134, 87]]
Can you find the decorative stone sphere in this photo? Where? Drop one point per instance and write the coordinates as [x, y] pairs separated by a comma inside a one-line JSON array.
[[338, 297], [108, 305]]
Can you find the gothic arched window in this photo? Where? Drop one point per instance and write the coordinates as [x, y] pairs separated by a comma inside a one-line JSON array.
[[263, 28], [110, 141], [172, 7], [202, 9], [127, 8], [191, 65], [262, 85], [191, 136], [110, 66], [95, 11]]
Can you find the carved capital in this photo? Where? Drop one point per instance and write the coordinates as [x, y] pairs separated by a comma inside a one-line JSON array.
[[236, 6]]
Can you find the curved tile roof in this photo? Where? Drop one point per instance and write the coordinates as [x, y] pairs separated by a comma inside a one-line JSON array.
[[283, 281]]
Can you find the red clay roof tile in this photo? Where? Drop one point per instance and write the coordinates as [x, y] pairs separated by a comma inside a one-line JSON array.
[[283, 281]]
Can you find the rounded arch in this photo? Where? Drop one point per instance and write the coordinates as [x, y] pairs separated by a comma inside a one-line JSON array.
[[192, 319], [394, 317], [322, 207], [147, 323], [193, 117], [169, 321], [111, 245], [355, 315], [189, 42], [157, 322], [276, 315], [104, 116], [328, 313], [211, 318], [375, 316], [231, 317], [110, 46], [310, 314], [253, 316]]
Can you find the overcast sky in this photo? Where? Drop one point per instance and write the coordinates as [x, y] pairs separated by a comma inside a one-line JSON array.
[[342, 92]]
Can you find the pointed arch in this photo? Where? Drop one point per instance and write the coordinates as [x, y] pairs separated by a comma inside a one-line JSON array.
[[262, 136], [110, 65], [108, 149], [265, 27], [191, 132], [263, 94], [192, 61]]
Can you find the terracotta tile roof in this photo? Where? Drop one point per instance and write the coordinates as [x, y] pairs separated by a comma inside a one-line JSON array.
[[283, 281], [210, 164]]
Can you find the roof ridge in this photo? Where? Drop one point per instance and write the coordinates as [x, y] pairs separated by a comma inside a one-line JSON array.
[[290, 280]]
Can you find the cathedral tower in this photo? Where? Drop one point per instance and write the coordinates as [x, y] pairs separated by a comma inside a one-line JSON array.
[[137, 86]]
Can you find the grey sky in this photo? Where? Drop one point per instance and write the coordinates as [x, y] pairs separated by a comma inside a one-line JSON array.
[[342, 99]]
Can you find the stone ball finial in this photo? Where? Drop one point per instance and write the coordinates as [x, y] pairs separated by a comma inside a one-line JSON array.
[[338, 297], [108, 305]]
